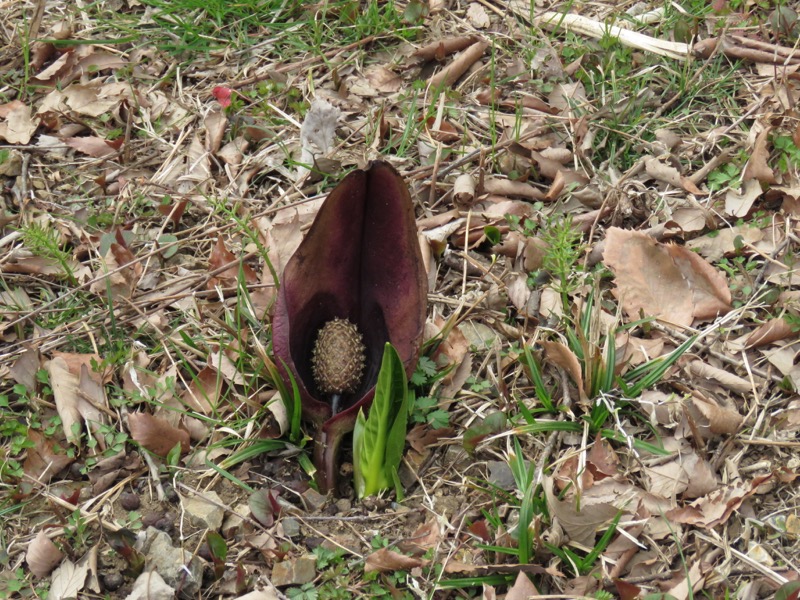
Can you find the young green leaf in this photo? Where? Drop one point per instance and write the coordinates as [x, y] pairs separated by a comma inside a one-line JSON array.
[[378, 439]]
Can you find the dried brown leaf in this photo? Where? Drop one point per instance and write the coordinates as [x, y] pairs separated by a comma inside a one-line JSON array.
[[773, 330], [738, 204], [720, 419], [715, 246], [222, 258], [477, 16], [383, 80], [19, 126], [93, 146], [65, 394], [387, 561], [558, 354], [426, 536], [728, 380], [757, 167], [45, 458], [717, 507], [42, 555], [68, 580], [523, 588], [155, 434], [648, 281], [711, 296], [580, 525]]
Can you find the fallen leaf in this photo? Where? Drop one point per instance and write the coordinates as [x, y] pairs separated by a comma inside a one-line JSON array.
[[663, 280], [45, 458], [580, 525], [523, 588], [711, 296], [757, 167], [387, 561], [426, 536], [738, 204], [65, 394], [156, 435], [478, 16], [19, 127], [717, 507], [559, 355], [224, 261], [719, 420], [714, 246], [94, 146], [383, 79], [773, 330], [42, 555], [728, 380], [68, 580]]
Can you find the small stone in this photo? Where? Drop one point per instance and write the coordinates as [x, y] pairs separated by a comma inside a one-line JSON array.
[[343, 505], [298, 571], [129, 501], [151, 586], [314, 500], [202, 513], [233, 524], [112, 581], [291, 527], [150, 519], [177, 566]]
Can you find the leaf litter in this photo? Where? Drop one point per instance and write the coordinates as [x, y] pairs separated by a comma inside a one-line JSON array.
[[172, 200]]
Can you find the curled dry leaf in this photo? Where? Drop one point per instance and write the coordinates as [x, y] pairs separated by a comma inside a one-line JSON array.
[[757, 167], [387, 561], [559, 355], [155, 434], [42, 555], [717, 507], [94, 146], [728, 380], [452, 72], [773, 330]]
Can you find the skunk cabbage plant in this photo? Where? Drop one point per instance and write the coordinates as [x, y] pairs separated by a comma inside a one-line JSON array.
[[356, 282]]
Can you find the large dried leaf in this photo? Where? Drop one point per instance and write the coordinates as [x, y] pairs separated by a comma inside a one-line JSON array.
[[580, 525], [663, 281], [156, 434]]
